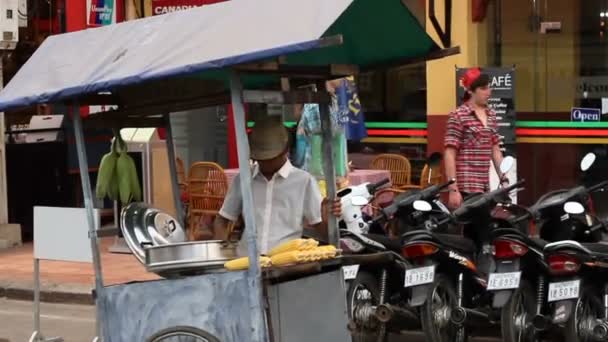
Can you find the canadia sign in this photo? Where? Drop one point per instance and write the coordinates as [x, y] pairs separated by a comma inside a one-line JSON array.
[[168, 6], [101, 12]]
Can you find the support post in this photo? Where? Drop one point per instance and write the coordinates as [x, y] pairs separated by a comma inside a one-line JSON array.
[[37, 295], [173, 171], [88, 203], [37, 335], [258, 325], [328, 167], [3, 186]]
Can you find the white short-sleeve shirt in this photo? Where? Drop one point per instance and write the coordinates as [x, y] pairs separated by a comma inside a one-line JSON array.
[[281, 206]]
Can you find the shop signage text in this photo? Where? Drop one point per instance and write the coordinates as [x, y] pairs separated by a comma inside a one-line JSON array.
[[592, 87], [101, 12], [585, 114], [501, 82], [168, 6]]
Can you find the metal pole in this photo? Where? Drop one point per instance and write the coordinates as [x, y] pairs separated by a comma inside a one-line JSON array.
[[258, 333], [3, 185], [37, 295], [88, 203], [328, 168], [173, 170]]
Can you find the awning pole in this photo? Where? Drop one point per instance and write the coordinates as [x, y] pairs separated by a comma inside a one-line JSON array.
[[173, 171], [83, 166], [328, 167], [258, 325]]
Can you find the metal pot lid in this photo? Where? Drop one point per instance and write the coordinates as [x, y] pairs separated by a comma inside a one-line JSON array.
[[167, 227], [139, 228]]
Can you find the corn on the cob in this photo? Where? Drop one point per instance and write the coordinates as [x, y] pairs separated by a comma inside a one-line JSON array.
[[327, 252], [288, 258], [243, 263], [293, 245], [310, 243]]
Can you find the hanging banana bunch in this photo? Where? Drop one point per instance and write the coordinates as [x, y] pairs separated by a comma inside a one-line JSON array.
[[117, 177]]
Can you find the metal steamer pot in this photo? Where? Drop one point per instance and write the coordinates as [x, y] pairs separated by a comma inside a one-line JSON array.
[[158, 241], [189, 258]]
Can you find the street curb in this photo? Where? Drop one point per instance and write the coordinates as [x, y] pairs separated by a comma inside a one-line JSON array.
[[49, 293]]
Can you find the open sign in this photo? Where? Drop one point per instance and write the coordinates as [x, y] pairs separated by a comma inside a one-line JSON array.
[[585, 114]]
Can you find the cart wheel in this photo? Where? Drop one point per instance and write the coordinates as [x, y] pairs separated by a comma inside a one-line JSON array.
[[182, 334]]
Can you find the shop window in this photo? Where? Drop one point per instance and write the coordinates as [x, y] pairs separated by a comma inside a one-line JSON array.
[[556, 70]]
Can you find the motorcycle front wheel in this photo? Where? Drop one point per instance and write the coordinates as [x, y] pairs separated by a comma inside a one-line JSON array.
[[435, 313], [517, 315]]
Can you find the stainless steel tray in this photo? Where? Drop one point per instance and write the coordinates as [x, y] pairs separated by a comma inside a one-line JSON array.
[[188, 258]]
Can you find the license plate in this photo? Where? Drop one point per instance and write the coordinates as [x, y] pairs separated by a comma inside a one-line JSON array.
[[564, 290], [504, 281], [419, 276], [350, 272]]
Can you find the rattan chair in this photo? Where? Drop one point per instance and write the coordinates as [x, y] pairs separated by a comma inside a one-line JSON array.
[[207, 187], [399, 167]]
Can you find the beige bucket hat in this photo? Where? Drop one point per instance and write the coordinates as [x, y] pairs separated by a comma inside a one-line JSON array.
[[267, 140]]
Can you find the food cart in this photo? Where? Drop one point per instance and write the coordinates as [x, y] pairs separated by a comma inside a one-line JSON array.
[[207, 56]]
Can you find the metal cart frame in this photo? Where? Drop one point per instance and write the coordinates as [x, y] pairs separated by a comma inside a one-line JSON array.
[[157, 115]]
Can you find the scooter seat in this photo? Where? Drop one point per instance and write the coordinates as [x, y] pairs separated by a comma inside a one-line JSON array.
[[599, 248], [457, 242], [390, 244], [539, 242]]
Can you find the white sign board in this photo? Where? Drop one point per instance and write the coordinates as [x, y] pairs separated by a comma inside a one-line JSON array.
[[62, 234]]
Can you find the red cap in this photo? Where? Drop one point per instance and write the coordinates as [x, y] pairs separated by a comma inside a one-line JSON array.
[[469, 77]]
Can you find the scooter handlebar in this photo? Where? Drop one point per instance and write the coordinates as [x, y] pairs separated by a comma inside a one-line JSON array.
[[487, 197], [373, 187], [433, 190], [598, 186]]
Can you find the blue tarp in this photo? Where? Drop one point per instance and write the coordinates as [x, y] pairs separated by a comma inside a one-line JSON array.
[[210, 38]]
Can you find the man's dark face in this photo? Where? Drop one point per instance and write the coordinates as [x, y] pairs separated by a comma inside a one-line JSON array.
[[271, 166]]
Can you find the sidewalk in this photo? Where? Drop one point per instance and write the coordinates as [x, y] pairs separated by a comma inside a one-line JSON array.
[[65, 282]]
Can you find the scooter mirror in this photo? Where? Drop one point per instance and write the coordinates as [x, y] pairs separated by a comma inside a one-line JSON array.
[[506, 164], [574, 208], [587, 161], [421, 205], [359, 201], [434, 159]]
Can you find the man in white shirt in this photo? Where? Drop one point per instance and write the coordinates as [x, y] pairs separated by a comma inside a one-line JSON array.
[[285, 198]]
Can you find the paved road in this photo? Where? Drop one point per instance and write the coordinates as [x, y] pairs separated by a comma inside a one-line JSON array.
[[73, 322], [76, 323]]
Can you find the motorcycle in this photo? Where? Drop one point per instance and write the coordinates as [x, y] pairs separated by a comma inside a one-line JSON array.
[[520, 277], [445, 281], [375, 298], [578, 290]]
